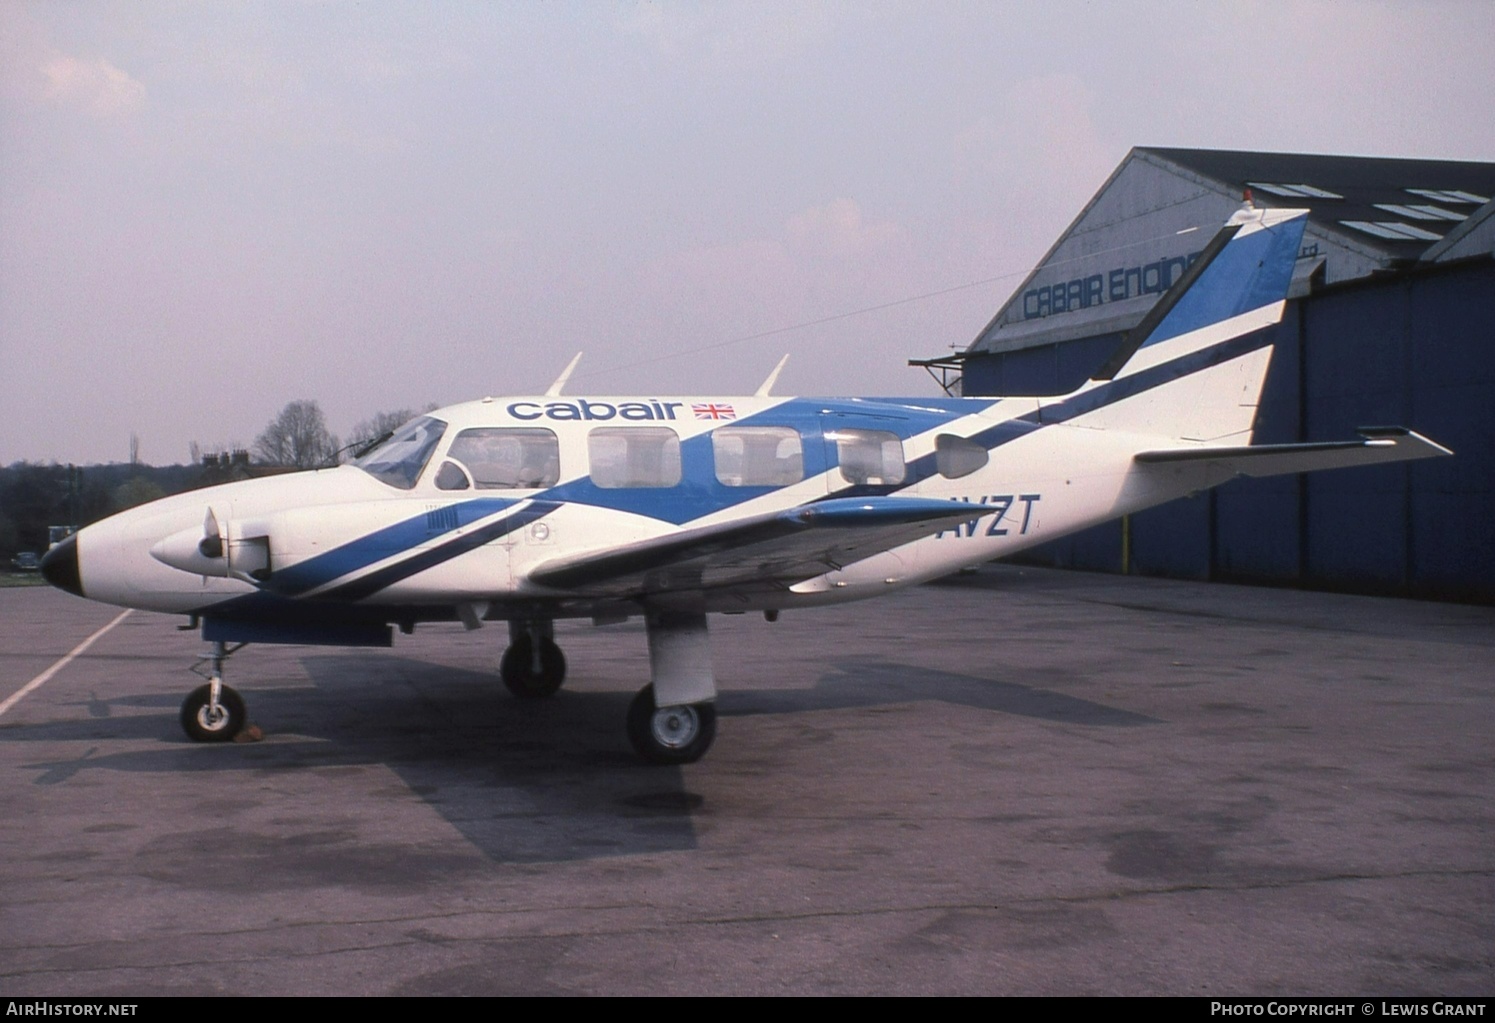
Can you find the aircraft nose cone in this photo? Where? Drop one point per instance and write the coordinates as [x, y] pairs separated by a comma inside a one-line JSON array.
[[60, 566]]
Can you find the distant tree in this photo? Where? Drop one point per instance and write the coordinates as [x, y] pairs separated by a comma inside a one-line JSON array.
[[33, 496], [298, 437], [136, 490], [10, 538]]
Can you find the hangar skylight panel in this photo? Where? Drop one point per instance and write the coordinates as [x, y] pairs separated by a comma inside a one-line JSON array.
[[1453, 195], [1298, 191], [1392, 230], [1420, 211]]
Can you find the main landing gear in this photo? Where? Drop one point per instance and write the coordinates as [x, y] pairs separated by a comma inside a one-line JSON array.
[[680, 734], [533, 666], [672, 720], [214, 712]]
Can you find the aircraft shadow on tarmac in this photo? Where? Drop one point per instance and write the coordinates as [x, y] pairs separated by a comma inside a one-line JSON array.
[[868, 682], [523, 781]]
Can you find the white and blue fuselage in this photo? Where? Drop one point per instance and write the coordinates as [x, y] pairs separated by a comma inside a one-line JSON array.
[[529, 509]]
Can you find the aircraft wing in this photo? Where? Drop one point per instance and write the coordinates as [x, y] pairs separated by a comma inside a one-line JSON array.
[[1376, 444], [778, 548]]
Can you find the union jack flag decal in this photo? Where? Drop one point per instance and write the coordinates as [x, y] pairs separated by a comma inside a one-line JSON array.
[[714, 410]]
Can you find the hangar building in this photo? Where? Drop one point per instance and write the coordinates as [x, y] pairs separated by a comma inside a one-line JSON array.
[[1391, 321]]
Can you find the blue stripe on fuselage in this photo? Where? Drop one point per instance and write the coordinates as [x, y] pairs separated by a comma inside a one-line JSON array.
[[321, 569], [999, 434], [273, 600], [430, 557], [699, 493]]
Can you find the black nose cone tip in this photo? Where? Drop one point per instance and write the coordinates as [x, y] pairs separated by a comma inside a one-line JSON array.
[[60, 566]]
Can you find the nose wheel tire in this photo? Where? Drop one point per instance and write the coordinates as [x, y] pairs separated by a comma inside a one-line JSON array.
[[670, 735], [533, 671], [204, 722]]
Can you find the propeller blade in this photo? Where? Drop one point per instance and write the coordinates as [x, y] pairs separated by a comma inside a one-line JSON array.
[[211, 545]]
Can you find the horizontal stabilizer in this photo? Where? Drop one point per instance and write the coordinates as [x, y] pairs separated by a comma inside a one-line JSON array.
[[777, 548], [1377, 445]]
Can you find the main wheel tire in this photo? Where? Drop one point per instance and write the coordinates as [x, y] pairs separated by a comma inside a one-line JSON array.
[[670, 735], [203, 724], [518, 668]]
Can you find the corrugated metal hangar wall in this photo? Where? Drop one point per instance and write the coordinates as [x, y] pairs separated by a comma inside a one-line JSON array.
[[1388, 336]]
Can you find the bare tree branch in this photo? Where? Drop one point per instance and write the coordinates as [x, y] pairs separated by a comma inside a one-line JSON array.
[[298, 437]]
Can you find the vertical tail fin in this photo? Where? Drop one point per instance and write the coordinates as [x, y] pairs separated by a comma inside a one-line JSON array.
[[1194, 367]]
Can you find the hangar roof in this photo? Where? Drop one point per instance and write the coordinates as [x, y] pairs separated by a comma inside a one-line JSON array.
[[1401, 207]]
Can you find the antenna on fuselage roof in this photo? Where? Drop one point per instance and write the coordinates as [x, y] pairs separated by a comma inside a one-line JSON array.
[[762, 392], [554, 391]]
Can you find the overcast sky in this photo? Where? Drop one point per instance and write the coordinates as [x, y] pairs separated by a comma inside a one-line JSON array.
[[210, 209]]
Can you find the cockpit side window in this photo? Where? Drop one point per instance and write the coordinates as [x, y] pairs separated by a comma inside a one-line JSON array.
[[505, 458], [399, 460]]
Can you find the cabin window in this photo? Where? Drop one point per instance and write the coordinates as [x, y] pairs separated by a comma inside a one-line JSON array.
[[869, 456], [498, 458], [640, 456], [955, 457], [758, 456], [399, 460]]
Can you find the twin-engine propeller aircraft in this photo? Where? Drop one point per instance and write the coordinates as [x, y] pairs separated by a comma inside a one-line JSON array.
[[525, 510]]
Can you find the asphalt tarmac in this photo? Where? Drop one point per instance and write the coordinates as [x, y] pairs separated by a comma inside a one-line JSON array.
[[1017, 782]]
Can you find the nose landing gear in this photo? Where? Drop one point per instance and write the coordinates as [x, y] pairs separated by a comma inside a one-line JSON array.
[[214, 712]]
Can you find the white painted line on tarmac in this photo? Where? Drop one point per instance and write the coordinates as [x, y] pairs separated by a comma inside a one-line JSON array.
[[41, 679]]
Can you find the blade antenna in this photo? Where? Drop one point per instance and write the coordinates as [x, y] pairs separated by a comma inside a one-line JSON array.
[[773, 378], [554, 391]]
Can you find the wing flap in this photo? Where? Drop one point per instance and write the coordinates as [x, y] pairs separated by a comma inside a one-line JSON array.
[[777, 549], [1375, 446]]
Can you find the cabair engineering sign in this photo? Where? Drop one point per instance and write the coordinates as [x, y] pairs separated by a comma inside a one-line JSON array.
[[1115, 285]]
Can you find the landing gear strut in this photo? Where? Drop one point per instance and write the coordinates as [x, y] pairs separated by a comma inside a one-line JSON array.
[[533, 666], [214, 712]]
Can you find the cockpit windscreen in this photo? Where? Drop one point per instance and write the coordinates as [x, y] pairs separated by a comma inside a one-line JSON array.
[[399, 460]]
